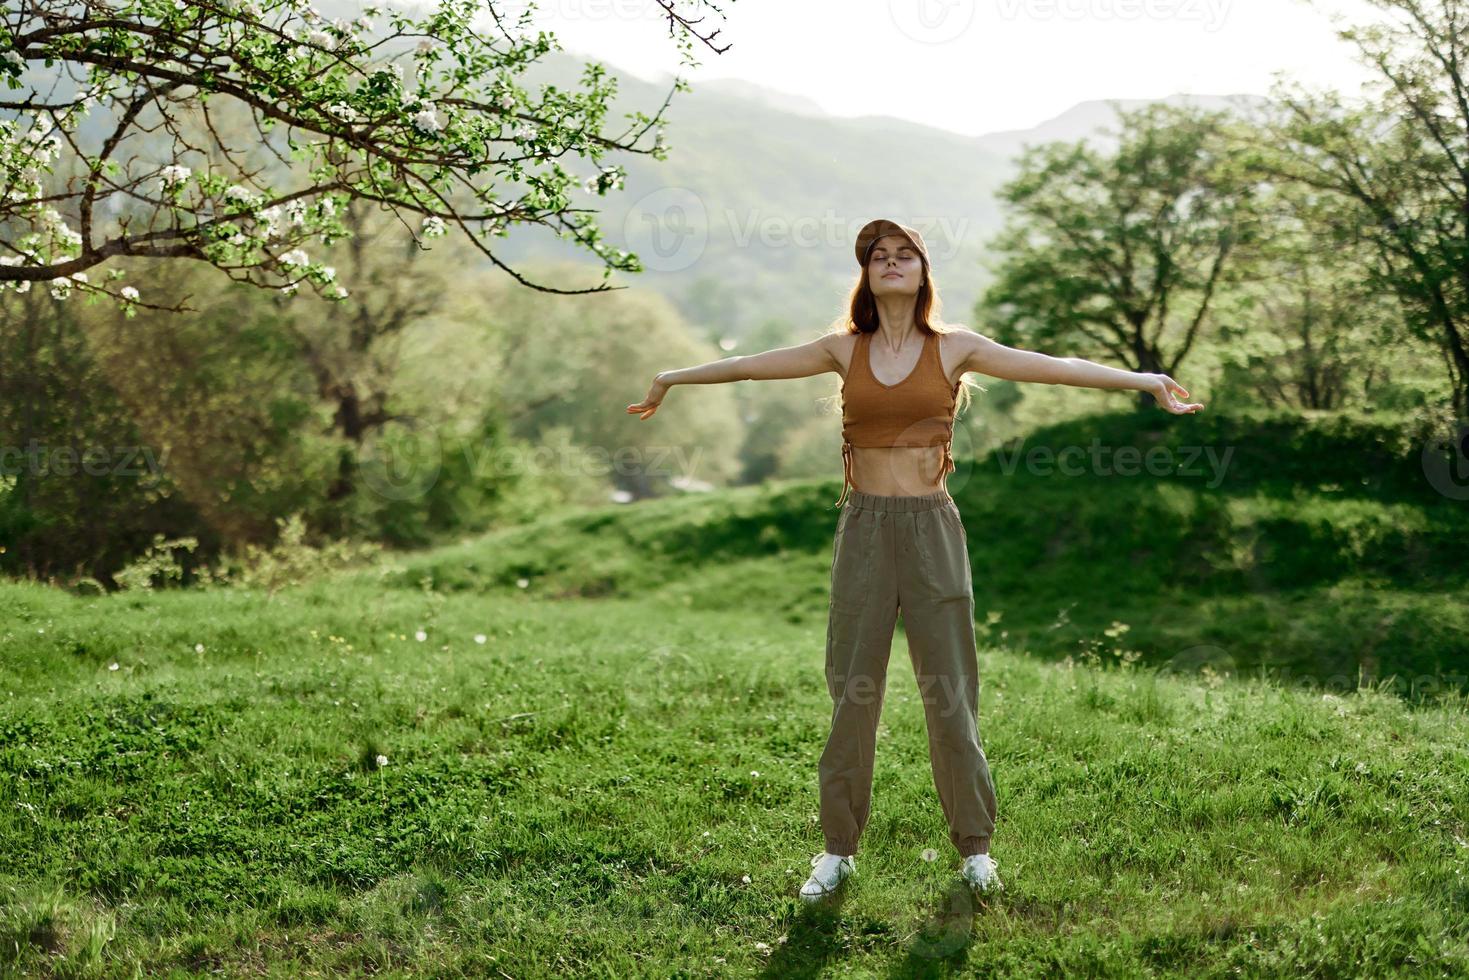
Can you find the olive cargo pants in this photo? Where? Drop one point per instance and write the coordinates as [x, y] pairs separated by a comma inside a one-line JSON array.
[[908, 552]]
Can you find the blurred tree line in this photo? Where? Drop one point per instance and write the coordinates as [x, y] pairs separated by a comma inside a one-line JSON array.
[[1307, 255], [436, 401]]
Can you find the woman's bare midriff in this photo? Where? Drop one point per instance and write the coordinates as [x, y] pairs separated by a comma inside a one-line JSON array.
[[897, 471]]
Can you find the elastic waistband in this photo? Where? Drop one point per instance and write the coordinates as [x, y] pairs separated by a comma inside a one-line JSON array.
[[871, 501]]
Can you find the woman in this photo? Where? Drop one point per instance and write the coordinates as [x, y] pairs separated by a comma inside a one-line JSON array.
[[900, 543]]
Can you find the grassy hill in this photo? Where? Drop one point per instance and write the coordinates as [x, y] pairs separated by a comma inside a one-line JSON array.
[[1314, 549], [612, 769]]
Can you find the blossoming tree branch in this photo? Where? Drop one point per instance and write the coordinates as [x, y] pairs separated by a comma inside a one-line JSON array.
[[424, 118]]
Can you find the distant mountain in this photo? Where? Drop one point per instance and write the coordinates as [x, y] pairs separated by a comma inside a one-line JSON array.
[[771, 98], [753, 215], [1090, 119]]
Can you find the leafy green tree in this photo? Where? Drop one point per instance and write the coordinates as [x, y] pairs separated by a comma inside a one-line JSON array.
[[351, 349], [1120, 256], [1308, 329], [424, 118], [113, 430], [1397, 168]]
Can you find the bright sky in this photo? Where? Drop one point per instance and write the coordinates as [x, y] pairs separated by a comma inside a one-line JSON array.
[[979, 66]]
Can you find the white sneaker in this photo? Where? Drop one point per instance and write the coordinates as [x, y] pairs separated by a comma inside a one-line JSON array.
[[980, 872], [828, 871]]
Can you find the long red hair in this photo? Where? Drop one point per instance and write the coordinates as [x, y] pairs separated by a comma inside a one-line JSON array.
[[861, 316]]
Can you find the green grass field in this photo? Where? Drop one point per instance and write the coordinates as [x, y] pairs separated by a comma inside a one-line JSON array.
[[611, 770]]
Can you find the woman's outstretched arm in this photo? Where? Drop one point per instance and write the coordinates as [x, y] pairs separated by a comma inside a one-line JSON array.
[[800, 361], [1012, 364]]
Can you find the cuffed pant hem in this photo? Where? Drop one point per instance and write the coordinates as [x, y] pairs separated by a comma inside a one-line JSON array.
[[844, 848], [974, 845]]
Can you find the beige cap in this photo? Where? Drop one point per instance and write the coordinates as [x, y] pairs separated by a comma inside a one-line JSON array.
[[879, 227]]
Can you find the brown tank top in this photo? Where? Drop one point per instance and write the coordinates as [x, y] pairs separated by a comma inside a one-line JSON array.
[[917, 411]]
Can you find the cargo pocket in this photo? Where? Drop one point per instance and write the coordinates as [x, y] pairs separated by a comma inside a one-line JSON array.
[[946, 556], [850, 567]]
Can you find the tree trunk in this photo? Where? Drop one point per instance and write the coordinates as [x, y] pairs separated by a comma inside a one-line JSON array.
[[1148, 363]]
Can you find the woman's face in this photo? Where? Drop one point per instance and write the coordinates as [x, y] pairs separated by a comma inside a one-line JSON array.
[[893, 266]]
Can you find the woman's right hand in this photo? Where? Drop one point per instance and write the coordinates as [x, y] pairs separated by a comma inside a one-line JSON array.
[[650, 404]]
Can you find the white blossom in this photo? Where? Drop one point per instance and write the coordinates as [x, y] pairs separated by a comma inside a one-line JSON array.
[[426, 122], [272, 217], [130, 292], [174, 174], [242, 194]]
